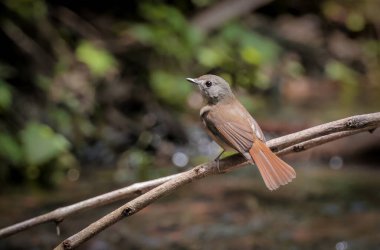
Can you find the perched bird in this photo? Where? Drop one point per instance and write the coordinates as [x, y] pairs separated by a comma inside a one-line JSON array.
[[231, 126]]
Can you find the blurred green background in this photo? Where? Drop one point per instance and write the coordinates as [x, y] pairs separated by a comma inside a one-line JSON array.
[[93, 97]]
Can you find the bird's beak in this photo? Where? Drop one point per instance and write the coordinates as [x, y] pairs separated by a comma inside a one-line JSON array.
[[192, 80]]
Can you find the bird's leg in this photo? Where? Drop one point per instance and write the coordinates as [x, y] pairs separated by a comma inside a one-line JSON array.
[[217, 159]]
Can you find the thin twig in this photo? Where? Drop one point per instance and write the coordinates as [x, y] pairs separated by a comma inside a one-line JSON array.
[[309, 138], [287, 144], [59, 214]]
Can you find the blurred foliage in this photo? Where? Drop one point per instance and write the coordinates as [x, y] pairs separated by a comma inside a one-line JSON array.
[[166, 87], [5, 96], [10, 149], [31, 153], [41, 144], [103, 63], [235, 48], [167, 31], [28, 9], [81, 84], [347, 78]]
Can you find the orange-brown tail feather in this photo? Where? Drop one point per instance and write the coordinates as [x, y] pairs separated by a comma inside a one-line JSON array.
[[274, 171]]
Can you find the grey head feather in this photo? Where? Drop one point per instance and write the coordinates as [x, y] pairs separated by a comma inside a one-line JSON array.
[[213, 88]]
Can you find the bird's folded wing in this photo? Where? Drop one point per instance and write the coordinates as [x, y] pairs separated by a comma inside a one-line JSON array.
[[234, 132]]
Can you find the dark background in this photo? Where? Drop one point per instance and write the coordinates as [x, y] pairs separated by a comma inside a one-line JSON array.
[[93, 97]]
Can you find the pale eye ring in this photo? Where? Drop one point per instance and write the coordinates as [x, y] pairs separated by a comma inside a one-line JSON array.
[[208, 84]]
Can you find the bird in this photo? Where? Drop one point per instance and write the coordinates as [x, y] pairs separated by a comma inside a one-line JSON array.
[[230, 125]]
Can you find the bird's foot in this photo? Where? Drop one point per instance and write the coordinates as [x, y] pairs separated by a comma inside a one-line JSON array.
[[217, 164], [217, 161]]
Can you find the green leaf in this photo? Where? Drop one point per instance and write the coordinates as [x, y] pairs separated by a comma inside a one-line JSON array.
[[265, 49], [99, 60], [28, 9], [10, 149], [253, 47], [211, 57], [41, 144], [167, 32], [348, 79], [250, 55], [143, 33], [5, 96], [171, 88], [340, 72], [355, 22]]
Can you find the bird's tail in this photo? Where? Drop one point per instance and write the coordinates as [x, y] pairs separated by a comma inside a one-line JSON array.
[[274, 171]]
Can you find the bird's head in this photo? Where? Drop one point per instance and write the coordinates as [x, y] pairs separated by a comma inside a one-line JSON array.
[[213, 88]]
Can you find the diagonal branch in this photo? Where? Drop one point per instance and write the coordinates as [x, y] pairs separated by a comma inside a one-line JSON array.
[[224, 11], [354, 124], [59, 214], [283, 145], [326, 132]]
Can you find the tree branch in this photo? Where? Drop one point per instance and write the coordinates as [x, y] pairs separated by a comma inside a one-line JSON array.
[[324, 133], [283, 145], [59, 214], [223, 11], [308, 137]]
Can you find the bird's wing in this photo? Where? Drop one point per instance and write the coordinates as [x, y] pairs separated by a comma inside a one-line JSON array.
[[259, 133], [231, 126]]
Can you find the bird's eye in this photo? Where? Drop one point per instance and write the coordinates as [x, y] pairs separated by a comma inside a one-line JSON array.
[[208, 84]]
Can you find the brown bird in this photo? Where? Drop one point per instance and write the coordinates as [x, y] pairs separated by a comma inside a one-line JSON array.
[[231, 126]]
